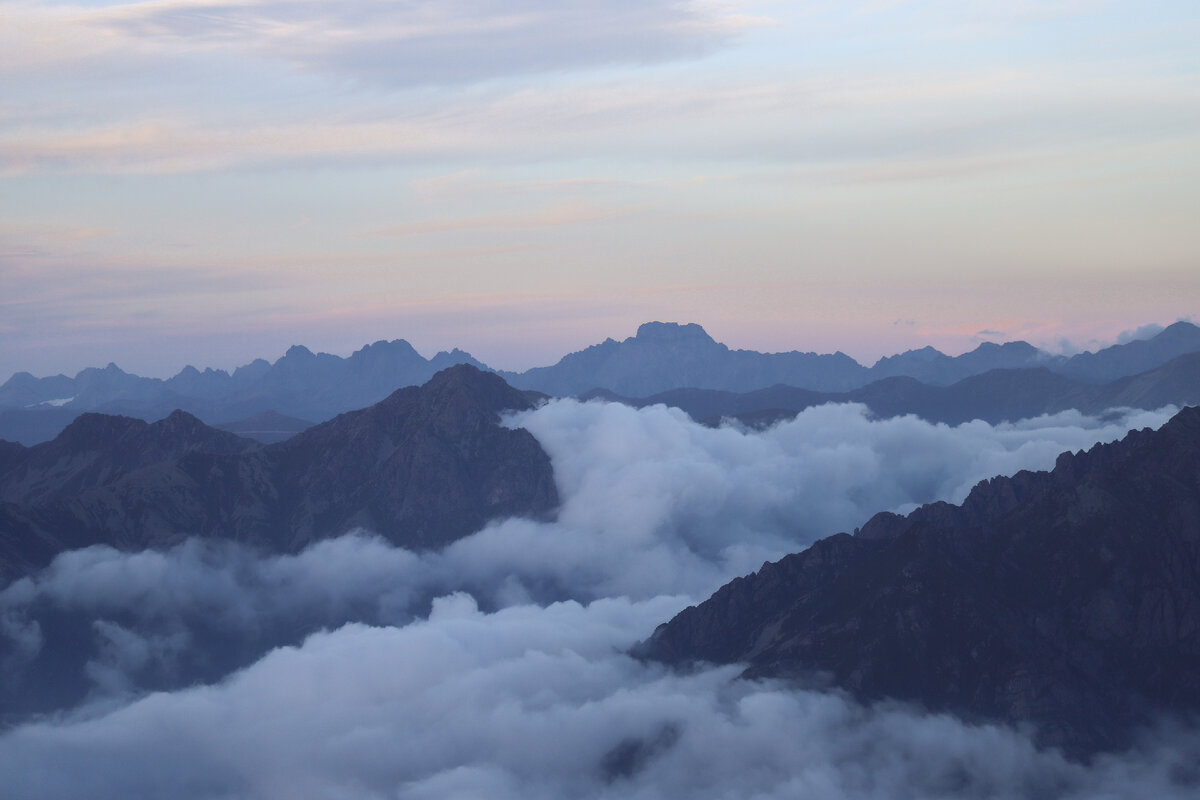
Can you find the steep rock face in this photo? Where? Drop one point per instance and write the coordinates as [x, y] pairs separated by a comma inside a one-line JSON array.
[[424, 467], [1068, 599]]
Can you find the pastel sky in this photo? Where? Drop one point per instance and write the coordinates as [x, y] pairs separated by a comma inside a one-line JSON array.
[[210, 181]]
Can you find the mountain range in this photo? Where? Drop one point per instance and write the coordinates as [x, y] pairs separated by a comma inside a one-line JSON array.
[[661, 357], [1064, 600], [998, 395], [1068, 600]]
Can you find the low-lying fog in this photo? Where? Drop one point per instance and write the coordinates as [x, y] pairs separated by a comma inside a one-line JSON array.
[[496, 667]]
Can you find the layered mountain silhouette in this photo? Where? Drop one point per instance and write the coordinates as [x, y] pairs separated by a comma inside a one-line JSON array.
[[666, 355], [996, 396], [661, 357], [1068, 600], [423, 467], [301, 384]]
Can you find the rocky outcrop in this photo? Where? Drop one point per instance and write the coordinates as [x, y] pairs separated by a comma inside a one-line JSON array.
[[1069, 599]]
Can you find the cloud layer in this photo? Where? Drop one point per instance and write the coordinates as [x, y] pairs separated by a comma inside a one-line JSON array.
[[496, 667]]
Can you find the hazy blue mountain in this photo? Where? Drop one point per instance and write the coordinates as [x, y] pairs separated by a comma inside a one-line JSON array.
[[661, 357], [1131, 358], [1062, 599], [996, 396], [300, 384], [934, 367], [667, 355]]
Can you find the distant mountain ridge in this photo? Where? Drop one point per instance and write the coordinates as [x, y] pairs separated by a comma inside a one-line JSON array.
[[999, 395], [662, 356], [1066, 599], [300, 384]]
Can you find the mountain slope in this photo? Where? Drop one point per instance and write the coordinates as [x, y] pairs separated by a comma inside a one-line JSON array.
[[426, 466], [1133, 357], [1067, 599]]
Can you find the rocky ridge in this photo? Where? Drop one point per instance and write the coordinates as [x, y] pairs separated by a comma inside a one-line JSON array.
[[1068, 600]]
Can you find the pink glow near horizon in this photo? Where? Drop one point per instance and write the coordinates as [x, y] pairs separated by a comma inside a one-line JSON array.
[[181, 188]]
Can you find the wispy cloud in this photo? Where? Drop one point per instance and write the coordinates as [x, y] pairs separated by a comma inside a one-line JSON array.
[[395, 44], [545, 218]]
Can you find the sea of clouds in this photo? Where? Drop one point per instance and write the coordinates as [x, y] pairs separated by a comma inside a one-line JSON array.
[[497, 667]]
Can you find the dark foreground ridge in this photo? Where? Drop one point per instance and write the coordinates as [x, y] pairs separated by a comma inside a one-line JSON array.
[[422, 468], [1067, 599]]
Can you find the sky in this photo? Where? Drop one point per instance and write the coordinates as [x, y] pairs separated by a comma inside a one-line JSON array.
[[210, 181]]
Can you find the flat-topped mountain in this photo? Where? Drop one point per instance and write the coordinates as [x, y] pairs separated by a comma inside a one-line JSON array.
[[1065, 599], [425, 466], [667, 355]]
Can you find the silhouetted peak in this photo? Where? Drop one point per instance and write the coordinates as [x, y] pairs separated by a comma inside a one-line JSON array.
[[672, 333], [1007, 347], [20, 380], [382, 347], [92, 429], [298, 352], [467, 381], [112, 370], [1180, 329], [924, 355], [179, 420]]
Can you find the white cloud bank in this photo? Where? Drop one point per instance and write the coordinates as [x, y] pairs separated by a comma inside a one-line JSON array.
[[397, 698]]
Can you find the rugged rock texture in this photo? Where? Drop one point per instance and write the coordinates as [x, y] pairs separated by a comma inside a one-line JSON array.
[[1067, 599], [424, 467]]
